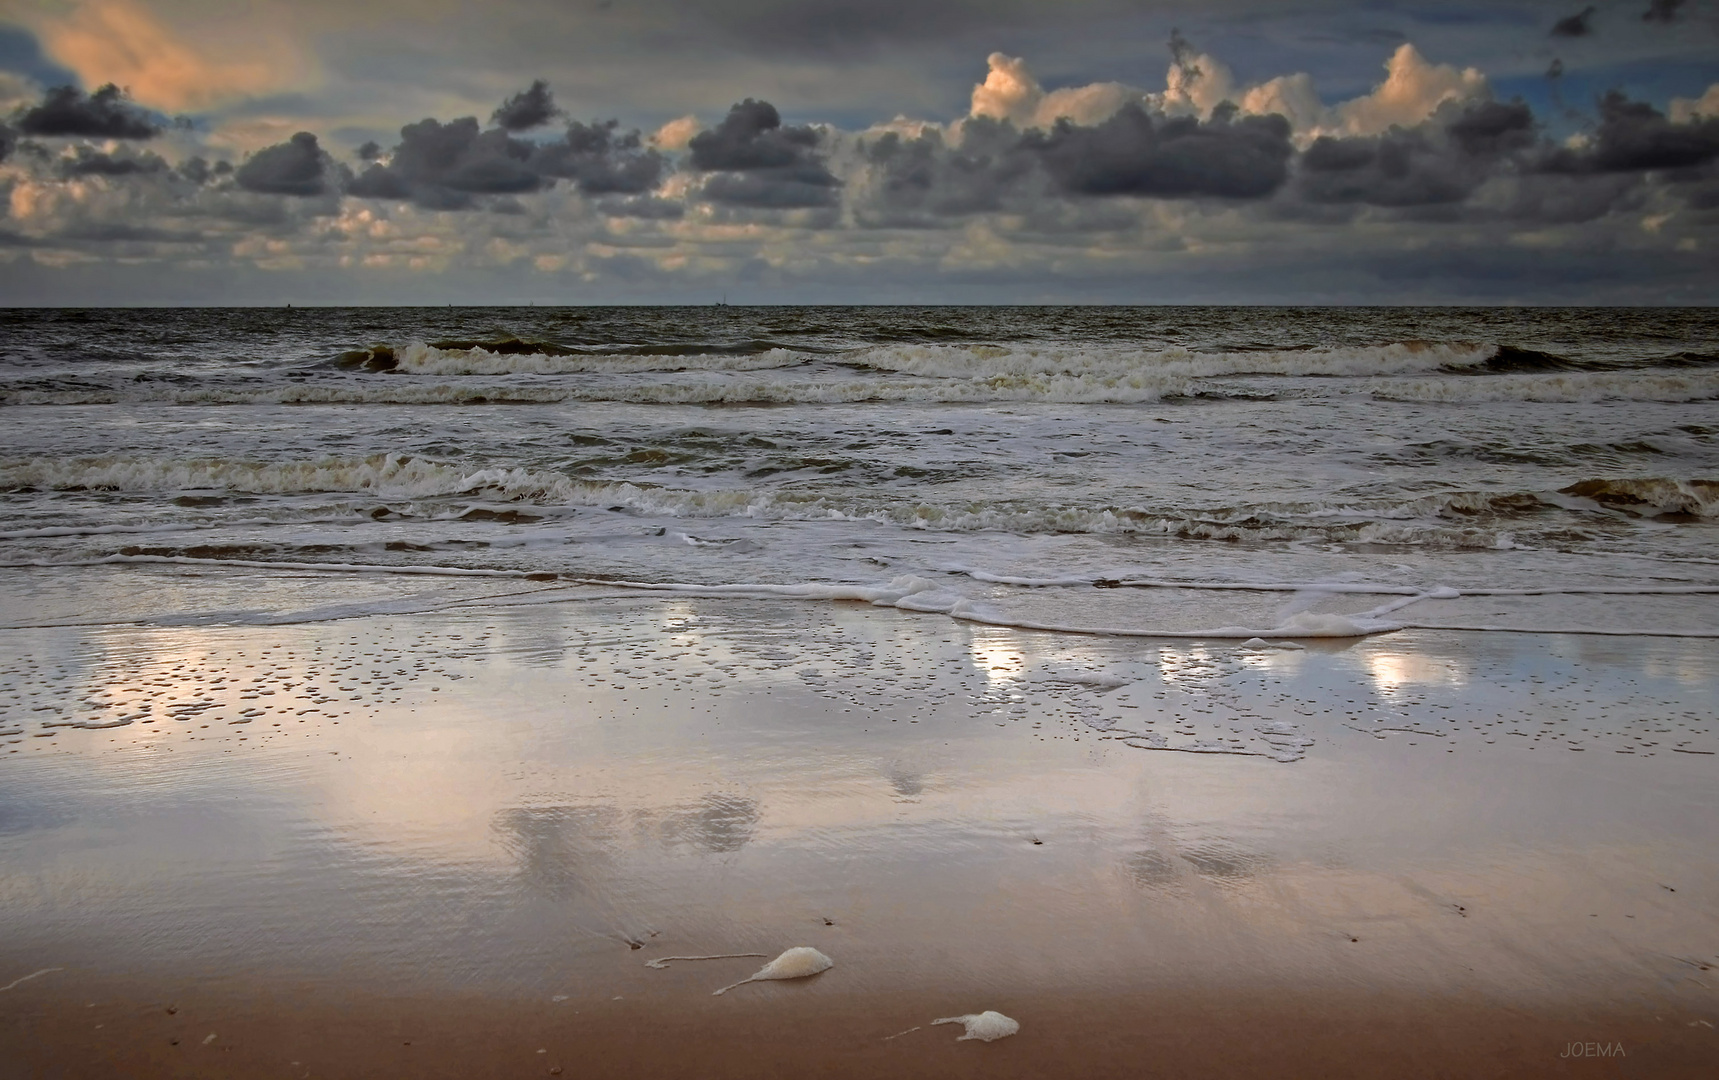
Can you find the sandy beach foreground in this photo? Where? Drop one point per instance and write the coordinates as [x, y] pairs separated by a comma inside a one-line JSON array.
[[446, 837]]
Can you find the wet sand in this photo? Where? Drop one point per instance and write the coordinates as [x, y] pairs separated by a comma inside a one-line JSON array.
[[468, 828], [818, 1030]]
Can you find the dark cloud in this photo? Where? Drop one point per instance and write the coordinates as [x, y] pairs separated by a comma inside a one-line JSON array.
[[1135, 152], [1491, 129], [448, 166], [600, 161], [1435, 170], [751, 137], [918, 181], [442, 166], [773, 190], [527, 109], [296, 167], [105, 114], [1662, 11], [1397, 169], [199, 171], [648, 207], [1706, 198], [1543, 199], [369, 151], [923, 179], [758, 162], [87, 162], [1578, 25], [114, 232], [8, 139], [1182, 55], [1634, 136]]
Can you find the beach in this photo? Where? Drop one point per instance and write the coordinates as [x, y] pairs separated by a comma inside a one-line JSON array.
[[1228, 692], [443, 840]]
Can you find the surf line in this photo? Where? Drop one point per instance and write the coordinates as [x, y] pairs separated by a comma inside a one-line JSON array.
[[1411, 593], [1593, 631], [898, 594]]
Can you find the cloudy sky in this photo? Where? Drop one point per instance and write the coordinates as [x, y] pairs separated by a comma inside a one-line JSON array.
[[781, 151]]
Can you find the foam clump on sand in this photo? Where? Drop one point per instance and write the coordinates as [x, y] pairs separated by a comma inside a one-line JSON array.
[[987, 1026], [1261, 643], [800, 962]]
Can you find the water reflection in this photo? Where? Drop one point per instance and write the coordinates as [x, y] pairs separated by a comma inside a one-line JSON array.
[[1392, 671], [907, 785], [1191, 664], [561, 851], [997, 656], [1152, 868], [717, 824], [1225, 863]]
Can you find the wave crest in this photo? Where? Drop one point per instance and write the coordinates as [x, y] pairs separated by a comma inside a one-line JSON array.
[[1652, 496], [1109, 362], [448, 358]]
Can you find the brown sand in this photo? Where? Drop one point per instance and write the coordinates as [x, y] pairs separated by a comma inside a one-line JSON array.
[[815, 1029]]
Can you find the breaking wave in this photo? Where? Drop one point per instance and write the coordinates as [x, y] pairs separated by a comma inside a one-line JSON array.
[[1655, 496], [961, 362], [1110, 363], [1467, 519], [512, 372], [421, 359], [704, 390]]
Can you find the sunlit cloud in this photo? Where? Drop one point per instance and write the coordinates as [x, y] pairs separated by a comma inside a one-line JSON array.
[[123, 42]]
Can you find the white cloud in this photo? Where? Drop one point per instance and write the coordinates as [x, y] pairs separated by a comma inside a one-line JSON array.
[[1010, 92], [1413, 89], [676, 134], [1683, 110]]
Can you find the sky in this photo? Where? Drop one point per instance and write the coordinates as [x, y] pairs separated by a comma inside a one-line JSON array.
[[892, 151]]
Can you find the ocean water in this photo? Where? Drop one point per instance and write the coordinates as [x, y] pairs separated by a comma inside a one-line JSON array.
[[1209, 472]]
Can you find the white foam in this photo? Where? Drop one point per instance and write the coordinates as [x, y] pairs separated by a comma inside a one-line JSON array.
[[56, 531], [1261, 643], [1599, 631], [403, 477], [662, 962], [1120, 362], [800, 962], [1360, 588], [1583, 386], [1069, 373], [987, 1026], [324, 567], [918, 594], [27, 978], [421, 359]]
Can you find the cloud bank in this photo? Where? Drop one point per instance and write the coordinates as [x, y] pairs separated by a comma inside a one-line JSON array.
[[1424, 185]]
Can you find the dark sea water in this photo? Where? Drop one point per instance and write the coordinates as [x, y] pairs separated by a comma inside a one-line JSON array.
[[991, 463]]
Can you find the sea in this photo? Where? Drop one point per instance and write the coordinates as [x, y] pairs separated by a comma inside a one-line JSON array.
[[1272, 473]]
